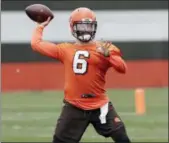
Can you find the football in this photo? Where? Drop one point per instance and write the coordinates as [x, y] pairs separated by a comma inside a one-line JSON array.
[[38, 12]]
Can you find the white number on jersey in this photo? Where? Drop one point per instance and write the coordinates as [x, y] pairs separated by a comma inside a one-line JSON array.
[[79, 61]]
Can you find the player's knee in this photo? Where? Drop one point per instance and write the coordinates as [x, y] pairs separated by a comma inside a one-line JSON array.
[[120, 135], [105, 133]]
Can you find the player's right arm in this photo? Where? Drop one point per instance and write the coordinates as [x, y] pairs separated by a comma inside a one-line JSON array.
[[44, 47]]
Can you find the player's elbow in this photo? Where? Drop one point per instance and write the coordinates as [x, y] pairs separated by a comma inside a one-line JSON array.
[[34, 44], [122, 70], [118, 64]]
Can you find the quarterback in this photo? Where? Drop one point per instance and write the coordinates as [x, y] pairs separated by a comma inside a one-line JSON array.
[[86, 62]]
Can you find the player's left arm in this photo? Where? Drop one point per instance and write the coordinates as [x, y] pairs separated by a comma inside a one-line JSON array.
[[116, 60], [114, 56]]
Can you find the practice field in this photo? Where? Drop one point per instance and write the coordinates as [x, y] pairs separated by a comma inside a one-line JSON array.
[[31, 116]]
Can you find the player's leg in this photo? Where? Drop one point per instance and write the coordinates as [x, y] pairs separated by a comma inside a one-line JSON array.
[[114, 127], [71, 125]]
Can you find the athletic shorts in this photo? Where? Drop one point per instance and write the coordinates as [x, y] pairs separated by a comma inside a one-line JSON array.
[[73, 122]]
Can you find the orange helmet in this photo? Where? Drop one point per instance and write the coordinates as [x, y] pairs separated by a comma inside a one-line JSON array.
[[83, 24]]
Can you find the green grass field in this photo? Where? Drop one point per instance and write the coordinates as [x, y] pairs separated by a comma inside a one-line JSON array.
[[31, 116]]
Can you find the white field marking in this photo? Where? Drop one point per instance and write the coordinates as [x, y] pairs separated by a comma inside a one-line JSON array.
[[86, 136], [146, 115], [129, 128], [28, 113], [138, 130], [48, 133], [100, 137], [32, 113], [158, 131], [48, 115], [26, 119], [16, 127], [29, 116], [19, 127], [16, 106], [127, 113], [136, 133]]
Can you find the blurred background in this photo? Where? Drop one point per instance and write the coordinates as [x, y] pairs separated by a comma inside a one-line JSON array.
[[32, 84]]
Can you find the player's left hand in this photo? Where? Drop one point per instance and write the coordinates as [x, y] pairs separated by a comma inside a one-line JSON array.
[[104, 48]]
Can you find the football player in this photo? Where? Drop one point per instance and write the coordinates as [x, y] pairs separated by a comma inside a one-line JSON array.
[[86, 62]]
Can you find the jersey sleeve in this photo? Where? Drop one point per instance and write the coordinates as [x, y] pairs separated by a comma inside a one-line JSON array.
[[46, 48], [116, 60]]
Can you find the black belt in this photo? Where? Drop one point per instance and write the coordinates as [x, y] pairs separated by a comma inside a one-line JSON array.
[[88, 95]]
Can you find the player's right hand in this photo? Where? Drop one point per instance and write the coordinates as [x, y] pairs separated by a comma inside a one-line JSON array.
[[44, 24]]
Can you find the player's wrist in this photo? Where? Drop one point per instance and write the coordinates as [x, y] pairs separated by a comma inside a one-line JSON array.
[[40, 26]]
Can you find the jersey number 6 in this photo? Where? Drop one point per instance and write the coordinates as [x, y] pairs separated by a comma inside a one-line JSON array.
[[80, 65]]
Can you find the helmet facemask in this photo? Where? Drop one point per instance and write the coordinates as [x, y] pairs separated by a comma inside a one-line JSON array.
[[84, 31]]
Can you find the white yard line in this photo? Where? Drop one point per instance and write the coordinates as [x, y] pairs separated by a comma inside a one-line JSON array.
[[48, 115]]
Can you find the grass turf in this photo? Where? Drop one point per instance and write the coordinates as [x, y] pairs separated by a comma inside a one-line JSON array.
[[31, 116]]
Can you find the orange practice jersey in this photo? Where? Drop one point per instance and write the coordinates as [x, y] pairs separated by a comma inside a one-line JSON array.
[[85, 70]]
